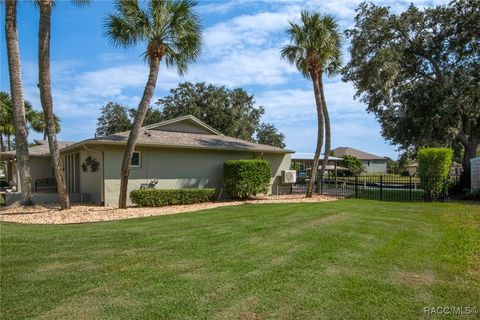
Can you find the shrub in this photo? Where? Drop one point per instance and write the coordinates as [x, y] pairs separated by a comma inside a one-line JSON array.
[[433, 168], [354, 165], [163, 197], [472, 195], [246, 178]]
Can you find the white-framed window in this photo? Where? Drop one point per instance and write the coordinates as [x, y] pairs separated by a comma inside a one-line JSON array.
[[136, 160]]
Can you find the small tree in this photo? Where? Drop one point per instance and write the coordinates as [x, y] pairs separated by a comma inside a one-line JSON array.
[[113, 119], [269, 135], [352, 163], [434, 166], [246, 178]]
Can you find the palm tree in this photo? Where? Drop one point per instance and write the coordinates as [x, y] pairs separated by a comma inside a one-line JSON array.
[[7, 126], [332, 69], [38, 124], [35, 119], [14, 70], [45, 7], [315, 48], [171, 30]]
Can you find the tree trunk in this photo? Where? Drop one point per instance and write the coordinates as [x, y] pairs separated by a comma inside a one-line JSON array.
[[9, 142], [134, 132], [21, 136], [47, 100], [2, 147], [318, 150], [328, 133]]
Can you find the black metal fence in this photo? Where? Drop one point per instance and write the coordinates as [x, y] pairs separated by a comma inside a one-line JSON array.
[[379, 187]]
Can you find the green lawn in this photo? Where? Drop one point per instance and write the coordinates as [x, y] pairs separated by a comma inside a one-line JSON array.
[[350, 259], [391, 195]]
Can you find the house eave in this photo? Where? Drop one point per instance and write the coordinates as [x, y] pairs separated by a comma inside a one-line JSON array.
[[156, 145]]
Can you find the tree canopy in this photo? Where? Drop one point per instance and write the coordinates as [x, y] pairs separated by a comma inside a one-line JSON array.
[[113, 119], [354, 165], [232, 112], [419, 73], [35, 120]]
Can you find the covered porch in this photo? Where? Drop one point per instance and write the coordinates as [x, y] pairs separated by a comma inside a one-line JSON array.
[[44, 186], [303, 163]]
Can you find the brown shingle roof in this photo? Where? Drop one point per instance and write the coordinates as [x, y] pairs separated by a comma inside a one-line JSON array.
[[41, 149], [186, 140], [362, 155]]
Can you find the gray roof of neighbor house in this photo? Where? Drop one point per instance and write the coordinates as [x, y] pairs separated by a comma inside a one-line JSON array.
[[359, 154], [155, 136], [40, 150], [310, 156]]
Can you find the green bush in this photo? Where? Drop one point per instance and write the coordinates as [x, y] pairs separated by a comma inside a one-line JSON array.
[[472, 195], [433, 168], [246, 178], [354, 165], [164, 197]]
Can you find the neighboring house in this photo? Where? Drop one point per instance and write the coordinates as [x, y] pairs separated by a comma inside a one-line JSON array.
[[455, 170], [180, 153], [303, 163], [371, 163]]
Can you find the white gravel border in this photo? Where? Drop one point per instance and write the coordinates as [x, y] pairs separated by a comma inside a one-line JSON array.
[[50, 214]]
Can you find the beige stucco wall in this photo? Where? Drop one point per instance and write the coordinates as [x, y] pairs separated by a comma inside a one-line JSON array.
[[40, 167], [375, 167], [92, 182], [178, 168]]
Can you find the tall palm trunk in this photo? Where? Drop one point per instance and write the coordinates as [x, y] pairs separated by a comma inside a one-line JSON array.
[[318, 149], [1, 142], [9, 142], [47, 100], [21, 137], [134, 132], [328, 133]]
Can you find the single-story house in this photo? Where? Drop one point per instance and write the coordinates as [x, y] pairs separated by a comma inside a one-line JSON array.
[[455, 170], [371, 163], [180, 153]]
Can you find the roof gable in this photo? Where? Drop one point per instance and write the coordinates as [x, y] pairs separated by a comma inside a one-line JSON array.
[[186, 124]]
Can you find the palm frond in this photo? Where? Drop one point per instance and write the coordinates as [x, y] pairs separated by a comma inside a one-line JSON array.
[[128, 25], [170, 29], [315, 42]]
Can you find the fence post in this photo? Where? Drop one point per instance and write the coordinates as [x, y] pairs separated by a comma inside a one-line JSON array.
[[410, 187], [356, 187], [381, 188]]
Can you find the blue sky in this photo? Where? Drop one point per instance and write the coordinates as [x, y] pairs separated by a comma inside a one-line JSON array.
[[241, 49]]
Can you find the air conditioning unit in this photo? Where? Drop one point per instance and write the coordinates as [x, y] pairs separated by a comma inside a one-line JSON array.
[[289, 176]]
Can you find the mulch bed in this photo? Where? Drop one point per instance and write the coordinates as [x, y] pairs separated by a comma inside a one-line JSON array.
[[51, 214]]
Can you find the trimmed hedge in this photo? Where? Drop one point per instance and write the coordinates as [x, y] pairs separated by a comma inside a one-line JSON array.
[[246, 178], [433, 169], [164, 197]]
